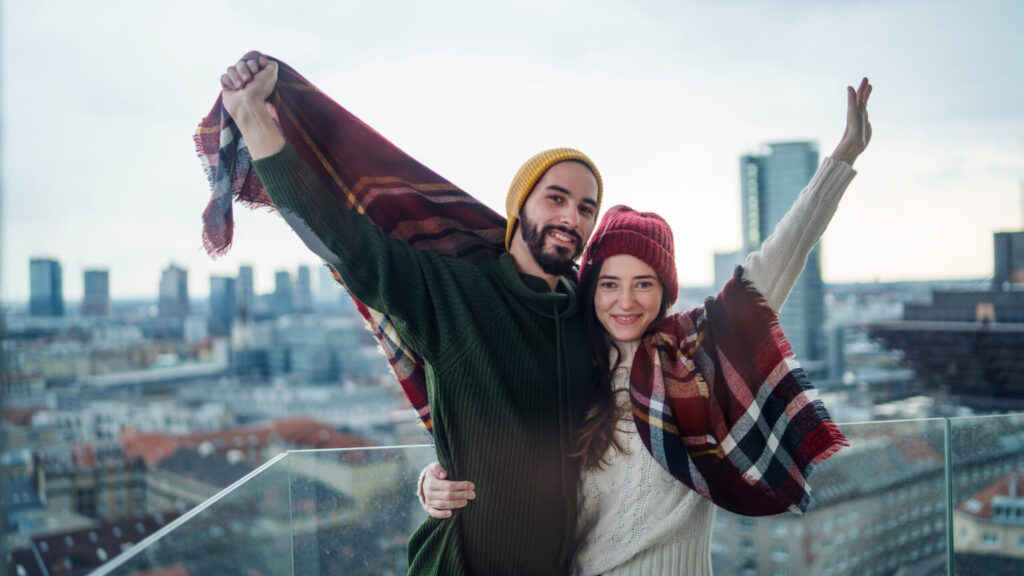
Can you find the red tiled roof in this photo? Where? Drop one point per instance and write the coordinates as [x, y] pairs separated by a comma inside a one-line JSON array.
[[312, 433], [151, 448], [981, 503], [300, 431], [172, 570], [20, 416]]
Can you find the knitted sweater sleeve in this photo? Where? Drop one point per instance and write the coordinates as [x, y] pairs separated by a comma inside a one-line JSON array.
[[775, 267], [414, 288]]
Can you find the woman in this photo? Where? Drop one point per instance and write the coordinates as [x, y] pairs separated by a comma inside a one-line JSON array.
[[669, 432]]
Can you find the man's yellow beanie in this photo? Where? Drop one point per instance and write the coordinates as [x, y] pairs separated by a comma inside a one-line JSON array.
[[531, 172]]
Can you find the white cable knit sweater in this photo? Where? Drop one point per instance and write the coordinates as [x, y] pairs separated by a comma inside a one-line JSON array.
[[636, 518]]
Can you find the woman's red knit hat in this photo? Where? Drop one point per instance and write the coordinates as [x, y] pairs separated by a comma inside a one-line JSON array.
[[644, 235]]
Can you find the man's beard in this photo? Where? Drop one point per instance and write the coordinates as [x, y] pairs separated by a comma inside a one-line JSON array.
[[558, 263]]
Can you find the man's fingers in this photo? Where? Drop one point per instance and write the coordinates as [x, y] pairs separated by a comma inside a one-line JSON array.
[[447, 504], [242, 68], [437, 470], [234, 80], [466, 494], [439, 514], [435, 493]]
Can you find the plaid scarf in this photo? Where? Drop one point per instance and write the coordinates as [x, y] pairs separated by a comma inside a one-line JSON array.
[[363, 170], [720, 402]]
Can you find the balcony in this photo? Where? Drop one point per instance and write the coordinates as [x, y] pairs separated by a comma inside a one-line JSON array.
[[911, 497]]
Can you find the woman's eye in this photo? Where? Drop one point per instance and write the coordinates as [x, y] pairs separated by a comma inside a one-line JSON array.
[[606, 285]]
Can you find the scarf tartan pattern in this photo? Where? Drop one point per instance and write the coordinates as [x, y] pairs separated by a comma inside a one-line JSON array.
[[722, 405], [364, 171]]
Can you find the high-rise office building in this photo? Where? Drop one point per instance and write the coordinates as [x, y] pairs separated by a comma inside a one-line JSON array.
[[173, 299], [96, 301], [222, 305], [282, 293], [1009, 255], [245, 298], [329, 292], [46, 288], [725, 267], [770, 183], [303, 291]]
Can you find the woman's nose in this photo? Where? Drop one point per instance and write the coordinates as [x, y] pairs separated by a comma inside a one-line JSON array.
[[626, 300]]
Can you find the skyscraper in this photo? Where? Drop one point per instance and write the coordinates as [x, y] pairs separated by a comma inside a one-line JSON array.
[[46, 288], [96, 301], [725, 266], [173, 300], [1009, 255], [245, 295], [329, 293], [303, 291], [282, 293], [770, 183], [222, 305]]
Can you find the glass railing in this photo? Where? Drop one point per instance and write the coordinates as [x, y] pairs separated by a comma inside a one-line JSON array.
[[917, 497], [317, 512]]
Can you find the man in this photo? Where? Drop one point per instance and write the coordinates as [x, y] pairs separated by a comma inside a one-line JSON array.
[[507, 364]]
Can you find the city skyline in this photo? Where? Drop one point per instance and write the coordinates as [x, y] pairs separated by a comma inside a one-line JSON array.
[[666, 97], [304, 295]]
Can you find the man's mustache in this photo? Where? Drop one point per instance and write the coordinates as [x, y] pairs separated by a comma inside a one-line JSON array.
[[564, 230]]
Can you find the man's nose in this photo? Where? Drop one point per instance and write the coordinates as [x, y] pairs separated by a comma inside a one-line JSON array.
[[570, 217]]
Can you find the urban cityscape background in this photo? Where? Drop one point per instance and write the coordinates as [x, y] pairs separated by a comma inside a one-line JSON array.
[[150, 389]]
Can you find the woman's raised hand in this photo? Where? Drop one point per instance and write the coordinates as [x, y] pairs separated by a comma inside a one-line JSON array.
[[858, 127]]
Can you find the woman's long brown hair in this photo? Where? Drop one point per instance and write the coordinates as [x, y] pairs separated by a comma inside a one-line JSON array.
[[597, 432]]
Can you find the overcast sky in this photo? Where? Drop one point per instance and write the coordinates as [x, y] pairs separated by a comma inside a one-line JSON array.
[[100, 100]]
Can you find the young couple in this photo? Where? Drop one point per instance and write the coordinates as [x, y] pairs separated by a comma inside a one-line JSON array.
[[545, 394]]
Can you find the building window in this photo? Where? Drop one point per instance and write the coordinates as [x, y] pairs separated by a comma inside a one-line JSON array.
[[747, 524], [990, 539], [747, 547], [780, 528], [1020, 542], [780, 553]]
